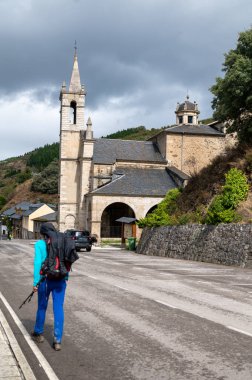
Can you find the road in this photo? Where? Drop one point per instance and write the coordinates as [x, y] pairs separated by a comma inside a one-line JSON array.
[[129, 316]]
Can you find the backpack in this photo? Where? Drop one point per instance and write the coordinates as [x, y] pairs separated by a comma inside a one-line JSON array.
[[61, 254]]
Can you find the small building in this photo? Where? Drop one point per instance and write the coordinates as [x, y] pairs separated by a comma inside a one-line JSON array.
[[22, 216], [37, 222]]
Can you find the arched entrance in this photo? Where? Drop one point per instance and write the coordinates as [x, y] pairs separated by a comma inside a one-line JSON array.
[[151, 209], [109, 226]]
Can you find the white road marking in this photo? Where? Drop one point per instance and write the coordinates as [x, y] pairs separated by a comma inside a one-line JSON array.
[[93, 277], [196, 275], [166, 304], [121, 287], [209, 275], [204, 282], [239, 331], [42, 360], [21, 361]]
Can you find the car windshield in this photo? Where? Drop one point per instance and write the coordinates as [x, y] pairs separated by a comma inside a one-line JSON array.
[[81, 234], [75, 233]]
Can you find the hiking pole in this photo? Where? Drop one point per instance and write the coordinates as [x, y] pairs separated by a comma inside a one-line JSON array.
[[31, 294]]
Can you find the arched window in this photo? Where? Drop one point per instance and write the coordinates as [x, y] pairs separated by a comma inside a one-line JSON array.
[[72, 112]]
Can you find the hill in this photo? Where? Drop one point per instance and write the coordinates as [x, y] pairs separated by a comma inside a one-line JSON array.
[[18, 175], [34, 176]]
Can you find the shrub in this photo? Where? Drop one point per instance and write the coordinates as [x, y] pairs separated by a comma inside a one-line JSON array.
[[3, 201], [161, 216], [223, 206], [23, 176], [11, 172]]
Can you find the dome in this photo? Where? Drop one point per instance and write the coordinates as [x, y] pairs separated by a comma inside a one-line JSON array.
[[187, 106]]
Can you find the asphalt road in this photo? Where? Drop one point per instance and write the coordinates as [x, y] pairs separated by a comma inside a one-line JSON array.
[[130, 316]]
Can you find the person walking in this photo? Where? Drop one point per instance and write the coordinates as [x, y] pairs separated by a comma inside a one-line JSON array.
[[55, 286]]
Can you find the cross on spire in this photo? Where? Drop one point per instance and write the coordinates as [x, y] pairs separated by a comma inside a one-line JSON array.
[[75, 48]]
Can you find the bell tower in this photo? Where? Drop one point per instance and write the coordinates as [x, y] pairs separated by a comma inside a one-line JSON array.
[[71, 128]]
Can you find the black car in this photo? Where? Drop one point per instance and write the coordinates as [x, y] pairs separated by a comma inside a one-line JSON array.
[[81, 238]]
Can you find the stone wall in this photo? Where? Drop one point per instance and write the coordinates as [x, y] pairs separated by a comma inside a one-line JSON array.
[[228, 244]]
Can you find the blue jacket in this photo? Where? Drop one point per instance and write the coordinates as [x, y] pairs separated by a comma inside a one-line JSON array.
[[39, 258]]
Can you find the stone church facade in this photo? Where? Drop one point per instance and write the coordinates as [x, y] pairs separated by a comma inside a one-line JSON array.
[[102, 180]]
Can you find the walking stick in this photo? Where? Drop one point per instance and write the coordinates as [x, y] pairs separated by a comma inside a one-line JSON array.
[[31, 295]]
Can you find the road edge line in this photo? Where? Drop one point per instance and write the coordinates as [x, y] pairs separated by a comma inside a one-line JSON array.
[[22, 363], [40, 357]]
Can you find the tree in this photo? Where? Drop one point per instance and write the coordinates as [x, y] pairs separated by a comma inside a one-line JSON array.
[[232, 101], [47, 181]]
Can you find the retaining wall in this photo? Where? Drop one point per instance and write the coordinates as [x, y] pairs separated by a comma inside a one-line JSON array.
[[228, 244]]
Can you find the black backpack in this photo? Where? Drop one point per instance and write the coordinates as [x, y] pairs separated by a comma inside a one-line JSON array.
[[61, 254]]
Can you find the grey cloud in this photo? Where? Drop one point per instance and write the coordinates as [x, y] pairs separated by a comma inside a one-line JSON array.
[[159, 49]]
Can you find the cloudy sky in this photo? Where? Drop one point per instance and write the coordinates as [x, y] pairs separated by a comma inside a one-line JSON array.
[[137, 59]]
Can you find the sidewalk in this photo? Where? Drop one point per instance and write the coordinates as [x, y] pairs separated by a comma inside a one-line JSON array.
[[13, 364]]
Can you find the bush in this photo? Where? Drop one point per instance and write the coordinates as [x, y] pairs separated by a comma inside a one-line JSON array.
[[161, 216], [235, 190], [3, 201], [11, 172], [23, 176]]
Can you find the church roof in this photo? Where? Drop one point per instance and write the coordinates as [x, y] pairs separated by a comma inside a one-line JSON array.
[[187, 106], [138, 182], [108, 151], [194, 129]]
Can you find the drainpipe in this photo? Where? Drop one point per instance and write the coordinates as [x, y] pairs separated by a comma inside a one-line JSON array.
[[182, 150]]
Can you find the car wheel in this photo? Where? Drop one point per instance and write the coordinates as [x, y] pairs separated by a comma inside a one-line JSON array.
[[77, 249], [88, 249]]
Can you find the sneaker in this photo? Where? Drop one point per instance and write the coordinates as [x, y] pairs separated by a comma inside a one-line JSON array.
[[57, 346], [39, 338]]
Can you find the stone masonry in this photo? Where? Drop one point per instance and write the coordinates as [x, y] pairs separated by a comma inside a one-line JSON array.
[[227, 244]]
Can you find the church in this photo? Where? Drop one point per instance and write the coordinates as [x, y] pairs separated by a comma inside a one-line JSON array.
[[103, 180]]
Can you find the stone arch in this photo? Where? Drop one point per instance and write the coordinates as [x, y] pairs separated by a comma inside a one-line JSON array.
[[151, 209], [69, 221], [109, 226]]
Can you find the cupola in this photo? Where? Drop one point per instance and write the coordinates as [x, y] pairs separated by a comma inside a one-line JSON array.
[[187, 112]]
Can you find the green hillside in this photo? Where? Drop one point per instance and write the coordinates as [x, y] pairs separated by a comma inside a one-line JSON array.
[[138, 133], [34, 176]]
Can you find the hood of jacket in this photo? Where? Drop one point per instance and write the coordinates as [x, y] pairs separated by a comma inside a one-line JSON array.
[[47, 229]]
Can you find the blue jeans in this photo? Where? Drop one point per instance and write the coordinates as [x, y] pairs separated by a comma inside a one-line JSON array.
[[57, 287]]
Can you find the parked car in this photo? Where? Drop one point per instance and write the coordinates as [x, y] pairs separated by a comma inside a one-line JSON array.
[[82, 239]]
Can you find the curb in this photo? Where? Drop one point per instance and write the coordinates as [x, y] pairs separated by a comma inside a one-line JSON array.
[[13, 349]]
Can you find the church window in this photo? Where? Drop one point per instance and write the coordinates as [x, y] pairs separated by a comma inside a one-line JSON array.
[[180, 119], [190, 119], [72, 112]]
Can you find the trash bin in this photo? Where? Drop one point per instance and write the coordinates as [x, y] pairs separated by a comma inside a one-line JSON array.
[[132, 243]]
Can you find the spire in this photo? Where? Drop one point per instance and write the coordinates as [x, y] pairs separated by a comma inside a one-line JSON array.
[[89, 132], [75, 83]]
